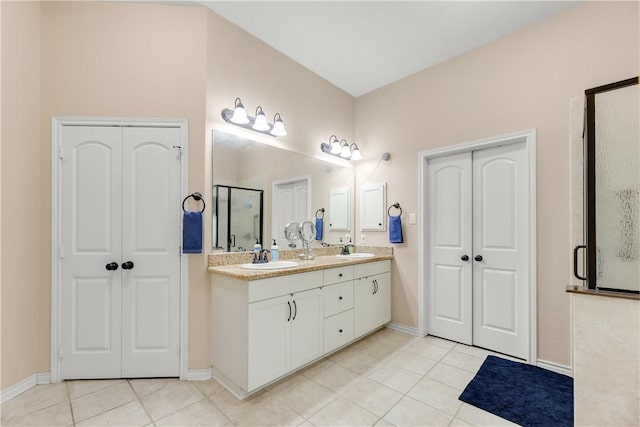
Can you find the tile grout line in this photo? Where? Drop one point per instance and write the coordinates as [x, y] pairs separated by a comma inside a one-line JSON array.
[[66, 387], [141, 402]]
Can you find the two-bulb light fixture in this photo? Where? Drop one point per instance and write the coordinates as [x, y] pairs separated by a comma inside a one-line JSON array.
[[341, 148], [238, 116]]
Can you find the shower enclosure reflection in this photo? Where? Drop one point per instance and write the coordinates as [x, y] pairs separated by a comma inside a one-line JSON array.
[[237, 217]]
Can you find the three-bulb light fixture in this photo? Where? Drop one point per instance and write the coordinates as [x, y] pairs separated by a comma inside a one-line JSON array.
[[238, 116], [341, 148]]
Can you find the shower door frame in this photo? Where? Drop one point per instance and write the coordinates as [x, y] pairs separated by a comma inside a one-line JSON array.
[[216, 210], [590, 179]]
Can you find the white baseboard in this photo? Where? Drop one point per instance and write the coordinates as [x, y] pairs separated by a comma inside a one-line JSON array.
[[198, 374], [403, 328], [43, 378], [555, 367], [18, 388]]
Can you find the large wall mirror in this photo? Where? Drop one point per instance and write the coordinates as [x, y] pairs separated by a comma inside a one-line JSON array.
[[258, 188]]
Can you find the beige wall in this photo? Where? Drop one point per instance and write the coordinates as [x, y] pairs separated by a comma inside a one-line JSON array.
[[518, 82], [21, 200]]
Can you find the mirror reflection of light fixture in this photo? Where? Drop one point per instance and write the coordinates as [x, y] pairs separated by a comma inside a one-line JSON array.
[[238, 116], [345, 152], [355, 152], [341, 148]]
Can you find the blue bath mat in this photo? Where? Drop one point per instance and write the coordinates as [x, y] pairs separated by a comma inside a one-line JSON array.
[[521, 393]]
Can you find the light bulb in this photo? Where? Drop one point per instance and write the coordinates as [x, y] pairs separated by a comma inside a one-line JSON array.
[[345, 152], [355, 154], [278, 126], [239, 113], [260, 123]]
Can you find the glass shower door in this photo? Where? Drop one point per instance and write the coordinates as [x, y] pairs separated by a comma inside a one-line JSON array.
[[613, 188]]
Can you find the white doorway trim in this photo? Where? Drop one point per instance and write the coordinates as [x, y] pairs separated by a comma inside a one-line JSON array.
[[528, 136], [56, 224]]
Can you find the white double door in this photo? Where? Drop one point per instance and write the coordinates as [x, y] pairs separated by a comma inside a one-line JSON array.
[[120, 258], [477, 251]]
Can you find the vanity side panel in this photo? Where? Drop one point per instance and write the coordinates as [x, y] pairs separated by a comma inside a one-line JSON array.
[[229, 316], [606, 361]]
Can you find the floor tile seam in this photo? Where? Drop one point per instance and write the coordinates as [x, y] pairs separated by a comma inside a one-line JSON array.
[[3, 421], [144, 408], [336, 397], [97, 391], [28, 414], [104, 412], [461, 368], [91, 392], [66, 387], [177, 410]]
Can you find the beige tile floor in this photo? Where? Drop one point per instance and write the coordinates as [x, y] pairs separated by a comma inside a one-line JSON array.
[[387, 379]]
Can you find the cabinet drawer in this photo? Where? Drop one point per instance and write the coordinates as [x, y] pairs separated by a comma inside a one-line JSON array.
[[371, 268], [337, 275], [338, 330], [338, 298], [281, 285]]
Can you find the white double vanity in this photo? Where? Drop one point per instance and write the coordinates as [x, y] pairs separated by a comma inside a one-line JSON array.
[[269, 323]]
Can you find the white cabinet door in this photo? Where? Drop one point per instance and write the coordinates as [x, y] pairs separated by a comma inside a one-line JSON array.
[[372, 208], [339, 209], [306, 327], [269, 340], [372, 305]]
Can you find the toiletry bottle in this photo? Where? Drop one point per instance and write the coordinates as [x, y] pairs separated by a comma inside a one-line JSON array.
[[275, 251], [257, 247]]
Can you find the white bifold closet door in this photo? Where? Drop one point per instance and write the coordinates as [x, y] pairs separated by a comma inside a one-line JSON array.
[[120, 252], [477, 252]]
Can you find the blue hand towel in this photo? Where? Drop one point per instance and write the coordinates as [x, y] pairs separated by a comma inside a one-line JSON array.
[[192, 232], [395, 229], [319, 228]]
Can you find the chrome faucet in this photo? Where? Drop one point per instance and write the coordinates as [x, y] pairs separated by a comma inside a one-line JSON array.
[[260, 257], [346, 250]]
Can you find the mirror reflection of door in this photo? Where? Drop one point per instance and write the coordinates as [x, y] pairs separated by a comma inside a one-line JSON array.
[[291, 202]]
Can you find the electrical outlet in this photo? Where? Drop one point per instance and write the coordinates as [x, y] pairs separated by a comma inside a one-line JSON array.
[[363, 238], [412, 218], [347, 238]]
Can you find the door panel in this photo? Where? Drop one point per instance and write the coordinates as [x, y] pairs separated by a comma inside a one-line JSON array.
[[306, 327], [500, 228], [449, 228], [269, 340], [90, 238], [151, 240]]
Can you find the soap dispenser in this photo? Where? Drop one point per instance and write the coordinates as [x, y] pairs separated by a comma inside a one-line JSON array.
[[275, 251], [257, 247]]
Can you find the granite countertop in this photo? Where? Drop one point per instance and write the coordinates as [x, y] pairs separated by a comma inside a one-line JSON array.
[[319, 263], [602, 293]]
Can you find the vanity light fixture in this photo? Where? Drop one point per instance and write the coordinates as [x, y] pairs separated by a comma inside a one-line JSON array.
[[341, 148], [260, 123], [238, 116]]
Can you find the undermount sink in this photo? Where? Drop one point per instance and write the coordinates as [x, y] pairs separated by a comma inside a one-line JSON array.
[[357, 255], [274, 265]]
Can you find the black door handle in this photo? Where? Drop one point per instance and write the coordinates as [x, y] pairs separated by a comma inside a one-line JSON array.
[[478, 257], [465, 257], [575, 261], [289, 304], [112, 266], [295, 310], [127, 265]]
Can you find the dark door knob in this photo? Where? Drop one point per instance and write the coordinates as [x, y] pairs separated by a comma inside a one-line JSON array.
[[465, 257], [477, 258], [127, 265], [112, 266]]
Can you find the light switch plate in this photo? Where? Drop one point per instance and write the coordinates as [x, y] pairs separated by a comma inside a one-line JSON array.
[[363, 238], [412, 218]]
